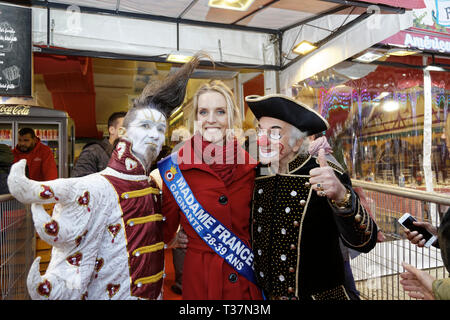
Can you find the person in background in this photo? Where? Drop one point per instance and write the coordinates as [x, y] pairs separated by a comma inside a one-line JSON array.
[[95, 155], [40, 160], [420, 284], [6, 160], [221, 176], [417, 238]]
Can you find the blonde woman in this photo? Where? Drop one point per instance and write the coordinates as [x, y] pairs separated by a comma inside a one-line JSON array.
[[221, 176]]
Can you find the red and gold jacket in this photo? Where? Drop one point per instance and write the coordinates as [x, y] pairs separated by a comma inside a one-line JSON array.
[[106, 232]]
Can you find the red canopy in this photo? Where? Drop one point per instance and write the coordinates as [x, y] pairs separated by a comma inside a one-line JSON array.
[[71, 83], [407, 4], [390, 79], [403, 78]]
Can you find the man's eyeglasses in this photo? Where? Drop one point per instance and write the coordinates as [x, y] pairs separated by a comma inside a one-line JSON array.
[[273, 134]]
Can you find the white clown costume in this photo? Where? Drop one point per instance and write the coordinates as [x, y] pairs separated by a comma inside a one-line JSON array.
[[106, 228], [107, 239]]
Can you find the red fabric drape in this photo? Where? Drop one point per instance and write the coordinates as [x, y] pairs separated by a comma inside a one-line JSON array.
[[71, 83], [401, 78]]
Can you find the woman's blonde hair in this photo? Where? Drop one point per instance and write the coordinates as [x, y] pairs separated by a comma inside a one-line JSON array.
[[233, 112]]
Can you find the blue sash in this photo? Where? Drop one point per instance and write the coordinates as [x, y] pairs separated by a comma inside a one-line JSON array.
[[215, 234]]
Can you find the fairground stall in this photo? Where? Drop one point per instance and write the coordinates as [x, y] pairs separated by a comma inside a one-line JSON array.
[[91, 58], [388, 107]]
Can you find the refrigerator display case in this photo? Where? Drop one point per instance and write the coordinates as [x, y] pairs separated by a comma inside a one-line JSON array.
[[54, 127]]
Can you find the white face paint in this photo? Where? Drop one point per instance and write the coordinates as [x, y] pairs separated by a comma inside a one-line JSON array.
[[147, 132], [273, 141]]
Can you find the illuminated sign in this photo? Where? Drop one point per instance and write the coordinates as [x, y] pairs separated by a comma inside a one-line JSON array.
[[17, 110], [427, 42], [430, 31]]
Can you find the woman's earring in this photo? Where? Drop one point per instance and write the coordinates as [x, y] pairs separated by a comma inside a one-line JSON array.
[[122, 131]]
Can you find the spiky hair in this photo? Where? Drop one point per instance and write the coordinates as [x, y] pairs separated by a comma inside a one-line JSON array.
[[167, 95]]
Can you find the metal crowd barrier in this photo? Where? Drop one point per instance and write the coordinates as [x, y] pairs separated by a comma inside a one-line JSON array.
[[377, 273], [17, 248]]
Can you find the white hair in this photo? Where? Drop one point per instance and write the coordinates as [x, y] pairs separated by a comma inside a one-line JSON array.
[[297, 134]]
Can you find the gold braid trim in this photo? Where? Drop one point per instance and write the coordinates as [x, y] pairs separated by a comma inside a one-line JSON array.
[[139, 193], [151, 279], [148, 249], [150, 218]]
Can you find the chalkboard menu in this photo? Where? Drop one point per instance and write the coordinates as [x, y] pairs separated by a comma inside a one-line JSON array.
[[15, 51]]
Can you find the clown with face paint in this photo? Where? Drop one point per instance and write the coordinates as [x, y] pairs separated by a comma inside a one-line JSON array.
[[106, 228], [302, 205]]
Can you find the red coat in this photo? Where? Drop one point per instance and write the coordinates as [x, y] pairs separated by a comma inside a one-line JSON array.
[[207, 276], [40, 161]]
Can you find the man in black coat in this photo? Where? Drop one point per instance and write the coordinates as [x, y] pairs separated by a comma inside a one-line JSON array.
[[95, 155], [302, 205]]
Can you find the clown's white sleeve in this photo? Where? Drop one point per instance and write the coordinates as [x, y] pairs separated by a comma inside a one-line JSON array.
[[30, 191], [76, 233], [74, 230]]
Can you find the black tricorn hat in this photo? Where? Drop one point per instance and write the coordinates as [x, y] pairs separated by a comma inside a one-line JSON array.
[[287, 109]]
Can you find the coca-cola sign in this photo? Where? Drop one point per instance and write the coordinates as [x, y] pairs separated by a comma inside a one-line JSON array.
[[16, 110]]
